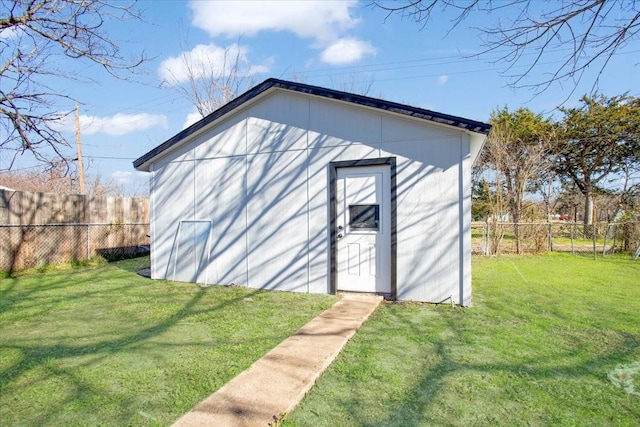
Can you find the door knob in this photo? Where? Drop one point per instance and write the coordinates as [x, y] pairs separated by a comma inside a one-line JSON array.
[[340, 236], [339, 227]]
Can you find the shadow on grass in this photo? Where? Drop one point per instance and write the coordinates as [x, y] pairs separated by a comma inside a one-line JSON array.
[[414, 365], [56, 280], [426, 396], [132, 264], [53, 289]]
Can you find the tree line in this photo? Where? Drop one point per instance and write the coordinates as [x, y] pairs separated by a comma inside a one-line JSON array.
[[589, 151]]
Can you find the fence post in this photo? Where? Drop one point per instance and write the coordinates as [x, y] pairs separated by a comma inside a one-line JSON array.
[[571, 231], [486, 238], [88, 241], [593, 233]]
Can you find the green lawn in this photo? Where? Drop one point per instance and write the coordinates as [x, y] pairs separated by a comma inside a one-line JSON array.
[[103, 346], [536, 349]]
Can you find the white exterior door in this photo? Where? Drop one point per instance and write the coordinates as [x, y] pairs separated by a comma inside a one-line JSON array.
[[363, 202]]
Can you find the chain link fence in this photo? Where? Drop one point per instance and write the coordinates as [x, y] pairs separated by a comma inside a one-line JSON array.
[[28, 246], [495, 238]]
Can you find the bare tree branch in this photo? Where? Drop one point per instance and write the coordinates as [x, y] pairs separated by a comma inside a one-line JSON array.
[[589, 31], [211, 82], [34, 36]]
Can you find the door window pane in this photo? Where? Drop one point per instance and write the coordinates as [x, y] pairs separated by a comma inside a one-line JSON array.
[[364, 217]]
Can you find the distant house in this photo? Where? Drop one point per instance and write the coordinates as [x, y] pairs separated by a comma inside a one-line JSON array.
[[301, 188]]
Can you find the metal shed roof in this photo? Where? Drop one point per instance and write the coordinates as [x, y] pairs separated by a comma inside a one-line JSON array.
[[420, 113]]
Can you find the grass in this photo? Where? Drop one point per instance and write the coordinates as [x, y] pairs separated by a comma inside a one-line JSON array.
[[100, 345], [42, 267], [551, 340]]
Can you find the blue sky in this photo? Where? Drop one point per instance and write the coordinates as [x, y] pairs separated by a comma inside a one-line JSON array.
[[338, 44]]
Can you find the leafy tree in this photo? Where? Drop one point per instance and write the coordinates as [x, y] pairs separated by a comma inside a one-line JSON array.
[[517, 152], [34, 36], [569, 199], [582, 33], [598, 140], [481, 200], [546, 185]]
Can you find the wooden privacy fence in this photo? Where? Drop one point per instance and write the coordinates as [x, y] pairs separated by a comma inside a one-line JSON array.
[[18, 207], [40, 228], [27, 246]]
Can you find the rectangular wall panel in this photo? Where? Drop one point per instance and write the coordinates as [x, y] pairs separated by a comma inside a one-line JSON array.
[[333, 124], [221, 199], [428, 220], [228, 140], [173, 200], [278, 123], [277, 228]]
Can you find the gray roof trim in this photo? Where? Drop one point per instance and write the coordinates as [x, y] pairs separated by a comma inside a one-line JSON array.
[[433, 116]]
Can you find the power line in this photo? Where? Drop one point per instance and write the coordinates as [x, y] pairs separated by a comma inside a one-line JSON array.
[[110, 158], [431, 62]]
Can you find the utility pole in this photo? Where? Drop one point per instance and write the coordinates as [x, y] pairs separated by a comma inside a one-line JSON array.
[[79, 144]]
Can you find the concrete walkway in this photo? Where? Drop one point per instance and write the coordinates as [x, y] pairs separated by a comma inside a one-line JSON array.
[[279, 380]]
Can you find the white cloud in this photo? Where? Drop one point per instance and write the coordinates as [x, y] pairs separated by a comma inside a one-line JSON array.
[[118, 124], [122, 177], [206, 60], [325, 22], [121, 124], [125, 178], [443, 79], [191, 119], [319, 20], [346, 51]]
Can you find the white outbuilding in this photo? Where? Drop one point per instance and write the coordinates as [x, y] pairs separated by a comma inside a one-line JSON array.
[[300, 188]]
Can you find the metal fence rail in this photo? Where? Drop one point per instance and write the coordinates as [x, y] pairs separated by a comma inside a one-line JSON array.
[[26, 246], [495, 238]]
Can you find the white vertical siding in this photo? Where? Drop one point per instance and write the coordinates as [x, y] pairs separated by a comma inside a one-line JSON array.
[[336, 132], [277, 220], [276, 193], [465, 220], [333, 124], [278, 123], [428, 244], [221, 199], [173, 189], [229, 139], [261, 177], [155, 264]]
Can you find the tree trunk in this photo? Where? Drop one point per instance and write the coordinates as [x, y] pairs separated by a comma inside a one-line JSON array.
[[515, 218], [588, 207]]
